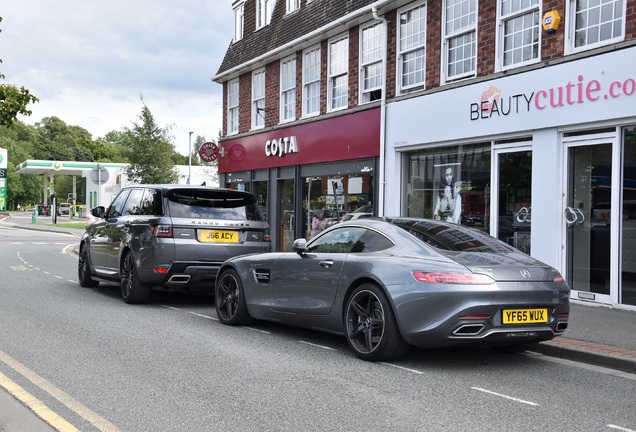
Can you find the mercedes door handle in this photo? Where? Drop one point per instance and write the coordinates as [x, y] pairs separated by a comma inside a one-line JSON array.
[[326, 263]]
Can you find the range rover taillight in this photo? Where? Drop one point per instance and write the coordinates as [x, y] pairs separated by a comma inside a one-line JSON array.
[[267, 236], [162, 230]]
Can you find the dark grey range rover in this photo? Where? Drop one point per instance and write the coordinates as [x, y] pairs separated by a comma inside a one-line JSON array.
[[170, 238]]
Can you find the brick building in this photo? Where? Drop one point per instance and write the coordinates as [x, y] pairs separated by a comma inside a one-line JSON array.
[[517, 117]]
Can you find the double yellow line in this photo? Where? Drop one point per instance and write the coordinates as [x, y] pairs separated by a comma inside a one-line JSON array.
[[41, 410]]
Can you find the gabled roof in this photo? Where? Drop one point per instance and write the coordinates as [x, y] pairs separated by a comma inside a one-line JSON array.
[[286, 28]]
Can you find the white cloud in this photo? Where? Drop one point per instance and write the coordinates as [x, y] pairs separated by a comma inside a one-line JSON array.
[[89, 61]]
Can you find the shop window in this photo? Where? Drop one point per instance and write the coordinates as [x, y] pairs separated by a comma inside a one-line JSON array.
[[460, 39], [595, 23], [450, 183], [260, 192], [412, 47], [288, 89], [371, 55], [628, 218], [335, 198], [338, 71], [258, 99], [238, 181], [232, 107], [288, 217], [311, 82], [519, 29]]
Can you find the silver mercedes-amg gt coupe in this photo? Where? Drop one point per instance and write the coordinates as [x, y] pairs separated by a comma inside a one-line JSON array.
[[390, 283]]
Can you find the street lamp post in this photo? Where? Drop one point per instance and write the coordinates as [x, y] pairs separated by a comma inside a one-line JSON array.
[[189, 156]]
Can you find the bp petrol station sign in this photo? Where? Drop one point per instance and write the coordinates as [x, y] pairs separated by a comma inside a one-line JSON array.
[[3, 179]]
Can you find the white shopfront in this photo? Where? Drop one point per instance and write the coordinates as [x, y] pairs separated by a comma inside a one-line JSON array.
[[544, 159]]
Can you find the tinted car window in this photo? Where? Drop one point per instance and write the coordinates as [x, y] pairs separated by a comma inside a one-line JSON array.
[[133, 203], [372, 241], [452, 238], [339, 240], [116, 208], [207, 205], [143, 202]]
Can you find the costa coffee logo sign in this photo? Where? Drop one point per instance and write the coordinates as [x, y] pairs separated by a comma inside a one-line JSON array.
[[281, 146]]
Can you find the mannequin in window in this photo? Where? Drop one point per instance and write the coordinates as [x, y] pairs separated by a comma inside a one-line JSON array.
[[449, 202]]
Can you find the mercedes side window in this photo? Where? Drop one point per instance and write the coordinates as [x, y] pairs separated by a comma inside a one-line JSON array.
[[372, 241], [340, 240]]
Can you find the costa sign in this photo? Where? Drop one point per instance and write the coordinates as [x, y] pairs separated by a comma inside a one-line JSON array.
[[281, 146], [208, 152]]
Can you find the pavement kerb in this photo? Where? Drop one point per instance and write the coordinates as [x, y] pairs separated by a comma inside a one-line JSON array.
[[622, 359]]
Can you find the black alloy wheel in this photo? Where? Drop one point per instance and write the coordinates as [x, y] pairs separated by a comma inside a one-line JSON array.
[[230, 300], [84, 270], [133, 290], [370, 326]]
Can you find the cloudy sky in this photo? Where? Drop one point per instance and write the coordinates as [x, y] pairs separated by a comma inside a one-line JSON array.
[[88, 62]]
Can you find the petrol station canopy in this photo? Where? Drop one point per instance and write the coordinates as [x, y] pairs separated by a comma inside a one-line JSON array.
[[62, 167]]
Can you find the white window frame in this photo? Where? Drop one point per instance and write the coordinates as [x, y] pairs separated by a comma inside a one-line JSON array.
[[239, 23], [311, 80], [526, 9], [407, 50], [288, 89], [465, 29], [292, 5], [372, 52], [337, 71], [233, 107], [570, 24], [264, 12], [258, 99]]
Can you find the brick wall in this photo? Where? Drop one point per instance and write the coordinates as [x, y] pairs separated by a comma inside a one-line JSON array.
[[552, 47], [391, 58], [486, 35], [354, 69], [433, 43], [630, 16]]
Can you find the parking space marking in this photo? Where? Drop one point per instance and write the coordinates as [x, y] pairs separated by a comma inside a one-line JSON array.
[[204, 316], [317, 346], [403, 368], [258, 330], [620, 428], [505, 396]]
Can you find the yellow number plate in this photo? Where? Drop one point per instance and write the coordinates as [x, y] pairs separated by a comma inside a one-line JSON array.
[[524, 316], [218, 236]]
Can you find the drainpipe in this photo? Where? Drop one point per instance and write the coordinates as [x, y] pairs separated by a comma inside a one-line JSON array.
[[382, 174]]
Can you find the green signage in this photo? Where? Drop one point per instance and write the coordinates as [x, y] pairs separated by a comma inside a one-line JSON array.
[[3, 179]]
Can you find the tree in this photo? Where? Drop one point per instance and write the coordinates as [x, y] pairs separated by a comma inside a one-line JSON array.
[[13, 101], [151, 152], [23, 189]]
